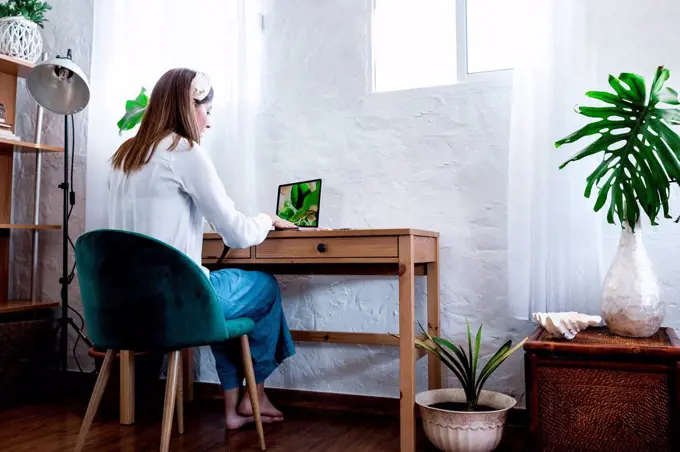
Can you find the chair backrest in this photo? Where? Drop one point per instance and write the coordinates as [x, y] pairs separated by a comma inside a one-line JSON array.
[[142, 294]]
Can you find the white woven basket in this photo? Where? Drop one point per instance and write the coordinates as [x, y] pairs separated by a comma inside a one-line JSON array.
[[20, 38]]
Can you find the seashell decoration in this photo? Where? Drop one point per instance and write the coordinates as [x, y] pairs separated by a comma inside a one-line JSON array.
[[565, 324]]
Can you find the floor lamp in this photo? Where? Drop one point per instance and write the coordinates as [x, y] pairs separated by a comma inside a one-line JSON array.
[[60, 86]]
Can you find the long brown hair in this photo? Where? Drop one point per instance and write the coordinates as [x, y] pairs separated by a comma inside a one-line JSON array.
[[170, 110]]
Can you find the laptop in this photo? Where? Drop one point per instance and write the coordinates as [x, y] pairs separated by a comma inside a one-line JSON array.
[[300, 202]]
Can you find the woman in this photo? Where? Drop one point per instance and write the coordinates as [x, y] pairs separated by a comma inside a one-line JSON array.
[[163, 184]]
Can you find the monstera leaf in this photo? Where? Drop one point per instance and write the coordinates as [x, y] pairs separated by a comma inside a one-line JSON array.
[[134, 111], [310, 199], [640, 153]]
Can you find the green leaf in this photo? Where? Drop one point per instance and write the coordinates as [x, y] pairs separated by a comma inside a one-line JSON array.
[[470, 354], [662, 75], [495, 365], [622, 91], [604, 191], [287, 213], [668, 96], [436, 353], [311, 200], [640, 152], [610, 98], [504, 348], [134, 112], [295, 198], [636, 84], [478, 341], [440, 344]]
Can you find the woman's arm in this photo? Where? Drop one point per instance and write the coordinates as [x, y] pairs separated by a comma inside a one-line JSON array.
[[198, 177]]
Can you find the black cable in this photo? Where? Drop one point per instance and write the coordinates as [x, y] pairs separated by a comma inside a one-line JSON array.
[[72, 202], [75, 355], [82, 320], [75, 345]]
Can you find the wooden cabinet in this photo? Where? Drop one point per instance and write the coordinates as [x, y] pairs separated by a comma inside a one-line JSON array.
[[602, 392]]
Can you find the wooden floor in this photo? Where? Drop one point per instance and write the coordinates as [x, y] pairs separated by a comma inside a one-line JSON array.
[[53, 427]]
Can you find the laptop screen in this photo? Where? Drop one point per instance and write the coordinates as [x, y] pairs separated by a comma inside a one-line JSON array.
[[299, 203]]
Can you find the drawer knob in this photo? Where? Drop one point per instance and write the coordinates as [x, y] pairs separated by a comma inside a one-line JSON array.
[[322, 247]]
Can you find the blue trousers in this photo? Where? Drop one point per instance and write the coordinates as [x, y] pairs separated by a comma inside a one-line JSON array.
[[257, 296]]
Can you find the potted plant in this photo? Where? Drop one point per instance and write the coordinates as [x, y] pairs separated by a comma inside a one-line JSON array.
[[19, 34], [640, 159], [466, 419]]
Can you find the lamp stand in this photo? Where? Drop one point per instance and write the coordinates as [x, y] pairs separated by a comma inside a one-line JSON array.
[[65, 321]]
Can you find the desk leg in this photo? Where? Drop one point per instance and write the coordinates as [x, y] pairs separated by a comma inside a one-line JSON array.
[[127, 387], [188, 360], [407, 351], [434, 365]]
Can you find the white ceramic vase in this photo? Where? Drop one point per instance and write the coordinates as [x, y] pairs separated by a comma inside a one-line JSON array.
[[631, 303], [20, 38], [464, 431]]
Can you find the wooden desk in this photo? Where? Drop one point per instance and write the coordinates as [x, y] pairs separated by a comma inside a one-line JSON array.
[[405, 253]]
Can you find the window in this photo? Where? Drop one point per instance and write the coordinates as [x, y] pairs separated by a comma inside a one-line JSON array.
[[421, 43], [490, 43]]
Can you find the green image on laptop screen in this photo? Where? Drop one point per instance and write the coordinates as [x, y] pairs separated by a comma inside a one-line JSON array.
[[299, 203]]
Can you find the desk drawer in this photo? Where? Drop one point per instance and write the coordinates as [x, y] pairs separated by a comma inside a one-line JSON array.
[[212, 249], [324, 248]]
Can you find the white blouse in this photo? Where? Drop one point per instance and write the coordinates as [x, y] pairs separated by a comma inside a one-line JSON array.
[[168, 198]]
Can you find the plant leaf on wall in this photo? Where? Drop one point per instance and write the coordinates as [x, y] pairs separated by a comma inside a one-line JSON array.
[[134, 111], [640, 153]]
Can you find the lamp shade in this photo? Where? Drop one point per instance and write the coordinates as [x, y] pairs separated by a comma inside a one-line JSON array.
[[59, 85]]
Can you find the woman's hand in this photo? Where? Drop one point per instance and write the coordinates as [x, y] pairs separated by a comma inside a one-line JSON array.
[[280, 223]]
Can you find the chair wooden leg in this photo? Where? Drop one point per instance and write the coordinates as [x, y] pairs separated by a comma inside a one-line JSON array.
[[127, 387], [96, 397], [188, 376], [170, 395], [252, 388], [180, 397]]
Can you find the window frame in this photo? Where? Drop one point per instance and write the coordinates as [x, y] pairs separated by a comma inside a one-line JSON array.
[[462, 74], [462, 51]]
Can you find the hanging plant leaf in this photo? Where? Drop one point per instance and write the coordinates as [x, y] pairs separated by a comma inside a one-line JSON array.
[[640, 153], [134, 111]]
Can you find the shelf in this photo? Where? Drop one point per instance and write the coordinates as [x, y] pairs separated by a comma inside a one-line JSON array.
[[25, 305], [15, 66], [31, 226], [25, 146]]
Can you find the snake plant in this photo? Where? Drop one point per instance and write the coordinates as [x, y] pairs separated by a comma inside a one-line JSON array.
[[465, 365], [640, 152]]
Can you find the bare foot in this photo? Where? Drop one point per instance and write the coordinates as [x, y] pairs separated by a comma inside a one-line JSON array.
[[268, 411], [236, 421]]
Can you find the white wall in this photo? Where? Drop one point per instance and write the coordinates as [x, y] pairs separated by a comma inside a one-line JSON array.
[[69, 26], [431, 158]]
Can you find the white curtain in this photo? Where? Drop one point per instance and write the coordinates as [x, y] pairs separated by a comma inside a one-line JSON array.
[[135, 42], [553, 234], [559, 249]]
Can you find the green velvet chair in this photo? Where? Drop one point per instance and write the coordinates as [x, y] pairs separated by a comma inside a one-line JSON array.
[[140, 294]]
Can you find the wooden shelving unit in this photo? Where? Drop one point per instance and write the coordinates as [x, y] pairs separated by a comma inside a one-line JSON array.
[[26, 305], [10, 70], [31, 227], [22, 146]]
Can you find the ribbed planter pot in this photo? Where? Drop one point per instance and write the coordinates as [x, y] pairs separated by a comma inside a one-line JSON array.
[[464, 431]]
